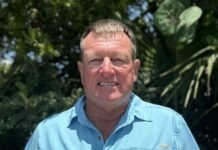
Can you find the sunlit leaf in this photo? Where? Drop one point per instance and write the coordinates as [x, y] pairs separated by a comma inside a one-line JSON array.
[[200, 72], [189, 92], [189, 16], [210, 63], [167, 16]]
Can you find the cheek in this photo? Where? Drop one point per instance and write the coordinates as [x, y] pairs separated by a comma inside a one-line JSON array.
[[127, 76], [89, 75]]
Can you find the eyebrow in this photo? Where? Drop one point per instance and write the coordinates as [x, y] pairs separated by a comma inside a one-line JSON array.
[[111, 54]]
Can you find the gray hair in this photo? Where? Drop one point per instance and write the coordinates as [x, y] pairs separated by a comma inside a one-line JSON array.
[[109, 26]]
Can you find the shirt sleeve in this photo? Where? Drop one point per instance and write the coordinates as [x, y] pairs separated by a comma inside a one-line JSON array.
[[184, 139], [33, 143]]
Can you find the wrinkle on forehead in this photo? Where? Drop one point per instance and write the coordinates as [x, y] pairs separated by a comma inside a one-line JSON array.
[[117, 38], [108, 35]]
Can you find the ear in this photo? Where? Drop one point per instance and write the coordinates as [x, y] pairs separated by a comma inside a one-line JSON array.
[[80, 68], [136, 66]]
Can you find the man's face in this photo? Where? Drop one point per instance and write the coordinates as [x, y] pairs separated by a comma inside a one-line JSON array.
[[108, 72]]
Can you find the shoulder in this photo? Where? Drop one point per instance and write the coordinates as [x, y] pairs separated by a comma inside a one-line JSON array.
[[161, 110], [160, 115], [59, 119], [64, 118], [155, 111], [166, 123]]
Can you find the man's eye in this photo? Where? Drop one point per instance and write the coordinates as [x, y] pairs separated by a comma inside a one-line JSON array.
[[118, 61], [95, 61]]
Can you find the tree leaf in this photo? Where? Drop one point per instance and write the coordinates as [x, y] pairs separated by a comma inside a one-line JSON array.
[[189, 16], [167, 16]]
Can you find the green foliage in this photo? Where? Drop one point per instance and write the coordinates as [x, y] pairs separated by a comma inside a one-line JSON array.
[[176, 41], [19, 115], [177, 23], [167, 16]]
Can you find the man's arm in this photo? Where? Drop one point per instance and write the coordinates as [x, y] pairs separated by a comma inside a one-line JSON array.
[[184, 139]]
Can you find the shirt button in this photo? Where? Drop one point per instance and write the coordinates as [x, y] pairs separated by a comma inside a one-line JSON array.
[[99, 137]]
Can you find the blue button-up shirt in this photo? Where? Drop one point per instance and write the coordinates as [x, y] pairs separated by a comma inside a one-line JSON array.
[[144, 126]]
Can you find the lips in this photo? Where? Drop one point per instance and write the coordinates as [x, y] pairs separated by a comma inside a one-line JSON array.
[[108, 84]]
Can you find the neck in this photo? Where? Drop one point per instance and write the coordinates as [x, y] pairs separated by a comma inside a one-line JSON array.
[[104, 120], [96, 113]]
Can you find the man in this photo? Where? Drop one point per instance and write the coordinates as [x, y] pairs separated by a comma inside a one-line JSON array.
[[109, 116]]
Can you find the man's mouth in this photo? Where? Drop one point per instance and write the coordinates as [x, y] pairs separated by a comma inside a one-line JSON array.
[[108, 84]]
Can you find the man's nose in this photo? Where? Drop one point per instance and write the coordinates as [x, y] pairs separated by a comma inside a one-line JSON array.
[[107, 66]]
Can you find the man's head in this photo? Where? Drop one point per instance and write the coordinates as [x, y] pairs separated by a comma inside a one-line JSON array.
[[108, 67]]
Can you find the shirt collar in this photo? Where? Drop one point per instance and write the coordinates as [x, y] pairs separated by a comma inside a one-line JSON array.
[[140, 109], [136, 108], [78, 110]]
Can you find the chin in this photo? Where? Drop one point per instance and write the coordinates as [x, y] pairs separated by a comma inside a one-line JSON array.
[[111, 97]]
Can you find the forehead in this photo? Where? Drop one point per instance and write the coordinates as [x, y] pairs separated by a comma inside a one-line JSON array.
[[106, 40]]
